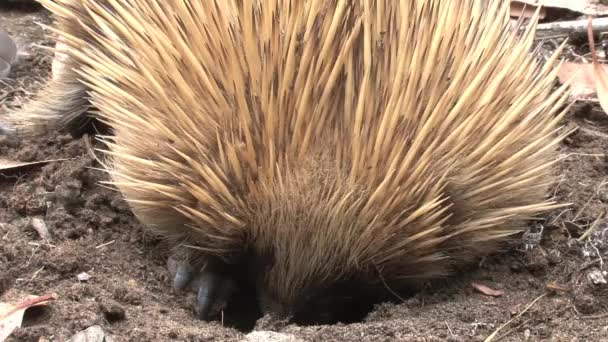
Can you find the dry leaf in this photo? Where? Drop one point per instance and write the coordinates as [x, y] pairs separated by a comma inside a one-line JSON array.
[[600, 74], [486, 290], [11, 315], [581, 77], [12, 166]]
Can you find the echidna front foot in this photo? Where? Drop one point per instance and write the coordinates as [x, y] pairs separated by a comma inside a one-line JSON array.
[[209, 279]]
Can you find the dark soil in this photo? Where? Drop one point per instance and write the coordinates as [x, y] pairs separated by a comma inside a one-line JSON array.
[[129, 294]]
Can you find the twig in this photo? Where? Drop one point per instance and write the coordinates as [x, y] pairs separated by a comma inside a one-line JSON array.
[[561, 180], [594, 225], [512, 330], [386, 285], [5, 236], [493, 335], [599, 255], [580, 211], [105, 244], [571, 27], [450, 330], [32, 256], [595, 316], [35, 275], [596, 155], [559, 215]]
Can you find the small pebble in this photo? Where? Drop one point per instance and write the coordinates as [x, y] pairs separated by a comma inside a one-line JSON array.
[[83, 277], [91, 334]]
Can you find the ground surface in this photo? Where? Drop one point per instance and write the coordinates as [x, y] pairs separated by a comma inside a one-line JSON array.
[[94, 232]]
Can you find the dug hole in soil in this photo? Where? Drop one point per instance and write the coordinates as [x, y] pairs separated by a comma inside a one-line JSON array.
[[129, 293]]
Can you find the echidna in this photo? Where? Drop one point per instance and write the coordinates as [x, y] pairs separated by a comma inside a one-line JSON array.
[[314, 149]]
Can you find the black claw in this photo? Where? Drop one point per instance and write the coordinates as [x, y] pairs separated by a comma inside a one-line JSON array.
[[207, 296], [214, 285], [183, 276]]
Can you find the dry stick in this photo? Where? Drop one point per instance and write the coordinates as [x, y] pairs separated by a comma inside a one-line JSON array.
[[493, 335], [597, 155], [595, 316], [29, 303], [450, 330], [32, 256], [572, 27], [105, 244], [35, 275]]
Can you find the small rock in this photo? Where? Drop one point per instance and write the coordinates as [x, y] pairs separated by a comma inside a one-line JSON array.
[[113, 313], [92, 334], [269, 336], [84, 276]]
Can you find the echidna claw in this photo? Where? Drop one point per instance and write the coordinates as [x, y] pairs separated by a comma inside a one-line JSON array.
[[213, 287], [183, 275], [207, 296]]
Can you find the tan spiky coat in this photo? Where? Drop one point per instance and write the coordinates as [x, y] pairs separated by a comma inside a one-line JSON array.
[[382, 141]]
